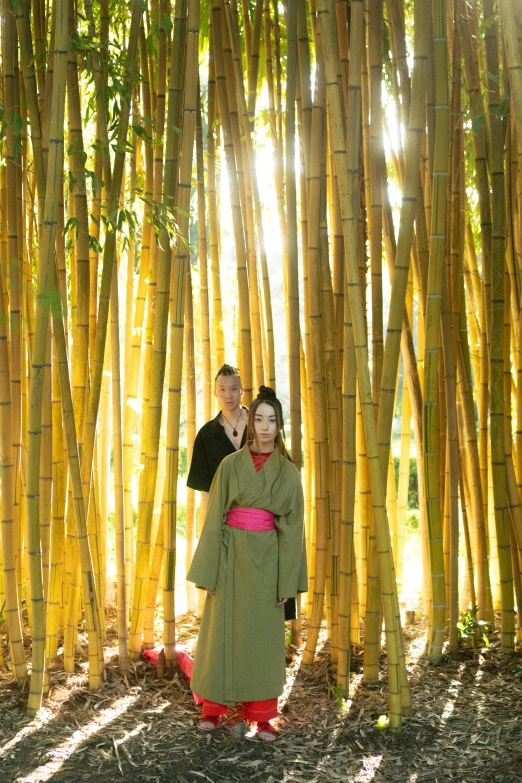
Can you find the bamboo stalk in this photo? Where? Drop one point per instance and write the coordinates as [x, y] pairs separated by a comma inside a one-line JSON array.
[[245, 348], [54, 172], [292, 309], [152, 422], [346, 197], [119, 521], [178, 281], [9, 543], [496, 357], [203, 269]]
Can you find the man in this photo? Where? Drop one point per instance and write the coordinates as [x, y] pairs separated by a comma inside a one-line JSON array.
[[221, 436]]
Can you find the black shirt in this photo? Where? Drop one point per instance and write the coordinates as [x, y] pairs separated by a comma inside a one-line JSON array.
[[210, 447]]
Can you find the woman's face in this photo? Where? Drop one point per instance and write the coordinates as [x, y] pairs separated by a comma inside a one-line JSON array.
[[265, 424]]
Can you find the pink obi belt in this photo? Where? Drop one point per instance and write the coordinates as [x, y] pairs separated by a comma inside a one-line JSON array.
[[256, 519]]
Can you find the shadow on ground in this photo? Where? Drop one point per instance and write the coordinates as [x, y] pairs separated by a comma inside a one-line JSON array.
[[466, 727]]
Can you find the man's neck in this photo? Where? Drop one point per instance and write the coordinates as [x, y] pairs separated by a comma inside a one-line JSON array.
[[233, 415]]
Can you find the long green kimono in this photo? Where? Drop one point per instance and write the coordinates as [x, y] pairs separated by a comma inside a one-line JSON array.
[[240, 655]]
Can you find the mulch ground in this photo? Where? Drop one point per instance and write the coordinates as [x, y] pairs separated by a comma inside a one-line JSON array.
[[466, 727]]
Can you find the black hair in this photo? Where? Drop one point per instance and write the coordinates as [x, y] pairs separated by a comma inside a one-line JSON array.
[[227, 369]]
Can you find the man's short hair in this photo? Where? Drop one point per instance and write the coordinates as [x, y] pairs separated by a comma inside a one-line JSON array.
[[226, 369]]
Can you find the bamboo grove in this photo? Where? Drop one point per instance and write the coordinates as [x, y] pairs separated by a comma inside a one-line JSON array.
[[395, 138]]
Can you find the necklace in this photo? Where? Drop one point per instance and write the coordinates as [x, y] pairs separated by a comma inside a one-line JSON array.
[[234, 428]]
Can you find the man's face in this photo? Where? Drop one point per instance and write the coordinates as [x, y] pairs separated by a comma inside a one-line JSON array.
[[229, 392]]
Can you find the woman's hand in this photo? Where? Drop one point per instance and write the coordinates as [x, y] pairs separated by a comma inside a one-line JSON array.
[[281, 601], [211, 592]]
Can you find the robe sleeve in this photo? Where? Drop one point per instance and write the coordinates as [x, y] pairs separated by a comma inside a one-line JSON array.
[[292, 574], [203, 570]]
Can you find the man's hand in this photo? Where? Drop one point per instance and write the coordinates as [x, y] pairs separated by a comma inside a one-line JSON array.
[[281, 601]]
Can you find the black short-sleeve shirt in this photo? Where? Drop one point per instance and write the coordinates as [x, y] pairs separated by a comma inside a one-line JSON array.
[[210, 447]]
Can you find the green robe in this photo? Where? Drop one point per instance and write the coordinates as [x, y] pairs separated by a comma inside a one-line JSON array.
[[240, 654]]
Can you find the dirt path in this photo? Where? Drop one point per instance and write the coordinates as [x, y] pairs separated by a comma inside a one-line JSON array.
[[466, 726]]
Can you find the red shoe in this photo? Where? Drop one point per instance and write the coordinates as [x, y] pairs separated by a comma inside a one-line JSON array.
[[266, 732], [209, 722]]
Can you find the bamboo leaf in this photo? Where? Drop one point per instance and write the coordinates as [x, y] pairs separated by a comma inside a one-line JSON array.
[[491, 76], [478, 123], [503, 107]]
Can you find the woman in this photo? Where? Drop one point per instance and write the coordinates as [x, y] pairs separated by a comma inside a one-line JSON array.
[[250, 559]]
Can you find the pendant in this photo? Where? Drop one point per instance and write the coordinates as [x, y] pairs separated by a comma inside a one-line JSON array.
[[234, 433]]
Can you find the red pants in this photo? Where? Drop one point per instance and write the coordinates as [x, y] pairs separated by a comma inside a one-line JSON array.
[[258, 711]]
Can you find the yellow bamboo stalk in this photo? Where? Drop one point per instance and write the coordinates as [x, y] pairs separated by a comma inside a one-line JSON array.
[[190, 370], [152, 421], [409, 207], [466, 21], [376, 159], [119, 520], [154, 577], [55, 600], [203, 271], [291, 257], [103, 446], [54, 173], [248, 177], [346, 189], [496, 358], [253, 62], [76, 154], [218, 346], [9, 542], [14, 259], [348, 618], [315, 352], [511, 35], [234, 163], [146, 275], [431, 346], [179, 278], [113, 184], [334, 420]]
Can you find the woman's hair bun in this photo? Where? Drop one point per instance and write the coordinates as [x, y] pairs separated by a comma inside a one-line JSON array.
[[266, 393]]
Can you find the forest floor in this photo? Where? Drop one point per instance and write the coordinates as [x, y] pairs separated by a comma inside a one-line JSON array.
[[466, 726]]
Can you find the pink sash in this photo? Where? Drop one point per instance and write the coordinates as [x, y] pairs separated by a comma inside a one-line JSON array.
[[250, 519]]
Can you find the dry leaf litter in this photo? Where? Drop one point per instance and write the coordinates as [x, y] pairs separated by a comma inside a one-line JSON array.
[[466, 725]]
